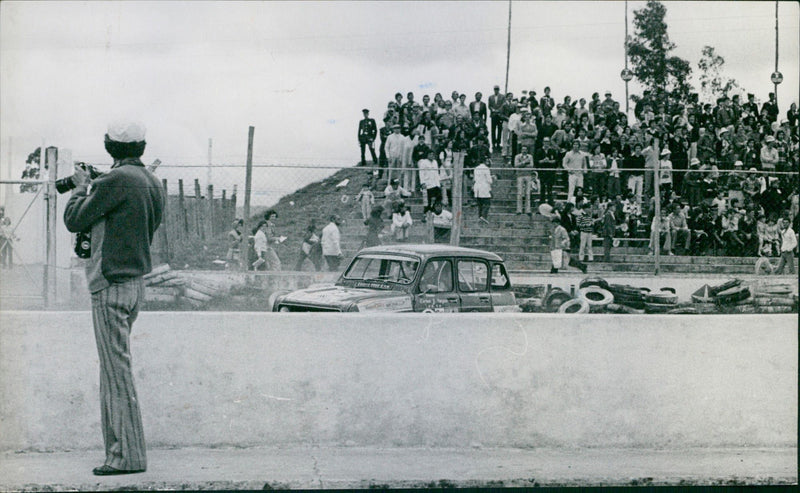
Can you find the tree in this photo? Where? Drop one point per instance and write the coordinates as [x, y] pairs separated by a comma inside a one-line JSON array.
[[712, 83], [649, 51]]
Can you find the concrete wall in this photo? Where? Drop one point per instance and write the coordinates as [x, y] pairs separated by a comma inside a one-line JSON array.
[[516, 380]]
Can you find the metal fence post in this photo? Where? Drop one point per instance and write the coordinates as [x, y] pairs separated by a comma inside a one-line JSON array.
[[244, 247], [458, 178]]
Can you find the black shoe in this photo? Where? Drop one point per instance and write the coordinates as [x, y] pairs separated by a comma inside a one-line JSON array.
[[583, 269], [553, 270], [106, 470]]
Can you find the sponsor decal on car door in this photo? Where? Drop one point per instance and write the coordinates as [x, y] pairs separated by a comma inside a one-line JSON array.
[[436, 291]]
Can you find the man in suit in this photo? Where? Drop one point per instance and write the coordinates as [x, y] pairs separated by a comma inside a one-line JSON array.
[[478, 107], [609, 229], [496, 102], [122, 210], [367, 131]]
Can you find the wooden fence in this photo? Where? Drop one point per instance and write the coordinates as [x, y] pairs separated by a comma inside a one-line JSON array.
[[192, 217]]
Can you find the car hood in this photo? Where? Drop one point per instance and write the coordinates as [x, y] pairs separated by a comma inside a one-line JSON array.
[[341, 297]]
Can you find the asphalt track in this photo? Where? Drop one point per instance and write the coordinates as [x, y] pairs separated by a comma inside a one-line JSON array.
[[363, 468]]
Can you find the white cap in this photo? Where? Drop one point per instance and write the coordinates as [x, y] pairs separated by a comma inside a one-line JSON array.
[[126, 131]]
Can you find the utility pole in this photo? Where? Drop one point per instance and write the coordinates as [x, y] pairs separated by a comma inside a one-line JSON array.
[[775, 84], [50, 227], [245, 240], [508, 45]]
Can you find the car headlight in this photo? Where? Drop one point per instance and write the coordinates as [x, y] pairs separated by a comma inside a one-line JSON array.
[[353, 308], [284, 309]]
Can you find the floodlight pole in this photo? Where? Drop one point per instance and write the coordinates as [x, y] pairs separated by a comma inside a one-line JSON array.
[[508, 45], [775, 84], [627, 107]]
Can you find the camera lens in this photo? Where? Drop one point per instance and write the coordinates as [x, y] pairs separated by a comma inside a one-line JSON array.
[[64, 185]]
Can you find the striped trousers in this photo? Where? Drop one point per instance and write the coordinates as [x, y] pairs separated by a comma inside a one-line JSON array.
[[114, 309]]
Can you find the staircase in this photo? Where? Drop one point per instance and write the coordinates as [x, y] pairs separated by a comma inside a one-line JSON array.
[[523, 242]]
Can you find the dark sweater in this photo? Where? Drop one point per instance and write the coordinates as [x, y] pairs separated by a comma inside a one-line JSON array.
[[123, 210]]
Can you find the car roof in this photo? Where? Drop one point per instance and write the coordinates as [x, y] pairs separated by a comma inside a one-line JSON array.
[[427, 249]]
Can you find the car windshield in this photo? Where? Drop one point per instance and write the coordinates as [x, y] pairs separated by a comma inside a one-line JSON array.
[[377, 267]]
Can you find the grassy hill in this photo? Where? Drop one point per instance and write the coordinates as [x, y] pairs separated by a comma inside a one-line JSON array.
[[316, 200]]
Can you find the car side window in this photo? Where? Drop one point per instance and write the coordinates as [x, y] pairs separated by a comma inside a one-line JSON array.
[[472, 276], [437, 277], [500, 280]]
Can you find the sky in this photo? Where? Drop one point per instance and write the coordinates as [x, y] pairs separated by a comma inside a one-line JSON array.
[[300, 72]]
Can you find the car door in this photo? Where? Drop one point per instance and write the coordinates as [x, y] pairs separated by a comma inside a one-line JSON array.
[[435, 291], [502, 296], [473, 285]]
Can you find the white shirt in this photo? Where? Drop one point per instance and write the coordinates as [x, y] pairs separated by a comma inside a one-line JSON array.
[[483, 182], [788, 240], [394, 145], [428, 173], [401, 220], [330, 240], [260, 242], [443, 220]]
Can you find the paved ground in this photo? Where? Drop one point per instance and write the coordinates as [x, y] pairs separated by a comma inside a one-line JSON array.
[[350, 467]]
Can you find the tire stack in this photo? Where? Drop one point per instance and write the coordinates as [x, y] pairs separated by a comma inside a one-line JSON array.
[[769, 297]]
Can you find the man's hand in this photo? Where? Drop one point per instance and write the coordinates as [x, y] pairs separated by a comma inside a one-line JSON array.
[[80, 177]]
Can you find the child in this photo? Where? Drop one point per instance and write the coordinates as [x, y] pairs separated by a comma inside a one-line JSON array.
[[394, 194], [367, 199], [401, 222]]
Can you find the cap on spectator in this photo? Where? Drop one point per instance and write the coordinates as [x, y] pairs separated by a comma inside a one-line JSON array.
[[770, 138], [365, 110], [608, 93], [666, 152], [752, 169], [738, 164], [750, 95], [532, 92], [496, 86], [723, 130], [396, 125], [126, 131], [695, 162]]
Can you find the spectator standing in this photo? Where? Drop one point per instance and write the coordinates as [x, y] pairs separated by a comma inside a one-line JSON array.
[[482, 189], [665, 172], [650, 153], [7, 239], [560, 247], [446, 172], [508, 109], [496, 102], [528, 132], [367, 200], [395, 143], [401, 222], [574, 163], [585, 223], [547, 103], [461, 109], [310, 248], [609, 229], [429, 179], [478, 107], [523, 164], [273, 263], [597, 172], [234, 237], [331, 248], [374, 224], [546, 157], [614, 187], [367, 132]]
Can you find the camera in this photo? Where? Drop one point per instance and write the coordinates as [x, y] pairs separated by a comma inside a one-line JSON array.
[[66, 184]]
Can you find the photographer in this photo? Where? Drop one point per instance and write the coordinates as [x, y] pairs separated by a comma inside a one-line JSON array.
[[123, 209]]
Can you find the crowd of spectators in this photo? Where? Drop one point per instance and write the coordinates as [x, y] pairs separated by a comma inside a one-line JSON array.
[[726, 172]]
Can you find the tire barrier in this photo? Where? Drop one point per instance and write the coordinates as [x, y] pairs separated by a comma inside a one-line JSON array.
[[594, 281], [575, 305], [650, 307], [764, 267], [733, 295], [554, 299], [597, 297], [617, 308], [628, 295], [666, 296], [715, 290]]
